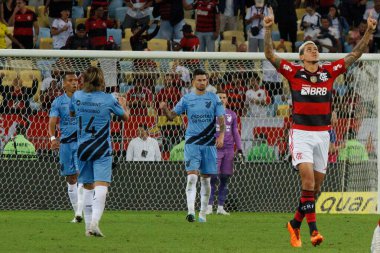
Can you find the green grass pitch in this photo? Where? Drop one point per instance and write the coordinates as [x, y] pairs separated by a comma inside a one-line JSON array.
[[134, 231]]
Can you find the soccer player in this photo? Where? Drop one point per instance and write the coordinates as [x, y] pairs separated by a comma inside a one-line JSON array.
[[311, 88], [67, 144], [92, 108], [202, 108], [225, 157]]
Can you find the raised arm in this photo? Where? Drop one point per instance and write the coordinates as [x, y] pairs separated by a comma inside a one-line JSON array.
[[268, 43], [362, 45]]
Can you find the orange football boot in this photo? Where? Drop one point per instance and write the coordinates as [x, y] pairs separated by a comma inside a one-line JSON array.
[[295, 236], [316, 238]]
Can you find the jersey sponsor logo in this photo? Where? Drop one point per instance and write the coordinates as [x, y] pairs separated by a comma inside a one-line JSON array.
[[347, 202], [208, 104], [307, 90], [287, 67]]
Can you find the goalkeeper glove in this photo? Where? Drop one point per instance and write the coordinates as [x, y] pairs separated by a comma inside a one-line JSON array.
[[239, 157]]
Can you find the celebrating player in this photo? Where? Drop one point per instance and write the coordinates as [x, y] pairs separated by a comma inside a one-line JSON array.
[[67, 143], [201, 108], [311, 88], [225, 157], [93, 109]]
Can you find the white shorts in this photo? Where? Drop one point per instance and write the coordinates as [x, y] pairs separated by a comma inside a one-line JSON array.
[[309, 147]]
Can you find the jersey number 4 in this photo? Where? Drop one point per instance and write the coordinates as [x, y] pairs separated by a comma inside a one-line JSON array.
[[89, 129]]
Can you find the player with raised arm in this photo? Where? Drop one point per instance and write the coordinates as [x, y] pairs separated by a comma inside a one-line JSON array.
[[311, 88], [202, 109], [67, 144], [93, 108], [225, 157]]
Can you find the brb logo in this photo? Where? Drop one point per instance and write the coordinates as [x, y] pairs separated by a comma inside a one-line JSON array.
[[313, 91]]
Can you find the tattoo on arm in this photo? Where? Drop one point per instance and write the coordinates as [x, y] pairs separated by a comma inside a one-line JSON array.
[[359, 49], [268, 49], [222, 125]]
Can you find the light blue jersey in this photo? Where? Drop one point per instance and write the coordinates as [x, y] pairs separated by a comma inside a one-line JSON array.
[[201, 111], [93, 111], [67, 125], [200, 150]]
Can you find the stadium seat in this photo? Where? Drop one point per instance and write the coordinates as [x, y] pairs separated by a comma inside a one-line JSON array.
[[88, 11], [227, 35], [288, 45], [80, 21], [126, 45], [116, 33], [27, 77], [10, 75], [276, 35], [158, 45], [43, 21], [227, 46], [41, 11], [7, 40], [120, 13], [32, 8], [44, 33], [78, 12], [114, 4], [46, 43], [300, 12], [300, 35]]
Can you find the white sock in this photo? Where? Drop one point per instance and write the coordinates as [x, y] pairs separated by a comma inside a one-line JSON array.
[[191, 192], [88, 195], [72, 190], [99, 202], [80, 201], [220, 208], [205, 193]]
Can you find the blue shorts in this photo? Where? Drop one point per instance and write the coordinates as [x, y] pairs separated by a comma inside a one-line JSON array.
[[202, 158], [68, 158], [96, 170]]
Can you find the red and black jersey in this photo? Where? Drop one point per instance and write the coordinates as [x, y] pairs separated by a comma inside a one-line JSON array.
[[165, 10], [190, 43], [206, 12], [312, 93], [97, 31], [24, 24]]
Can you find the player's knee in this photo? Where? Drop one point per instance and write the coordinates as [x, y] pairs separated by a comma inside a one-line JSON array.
[[308, 184], [72, 179]]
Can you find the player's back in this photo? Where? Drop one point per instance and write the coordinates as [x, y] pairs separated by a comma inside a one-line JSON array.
[[201, 111], [93, 111], [67, 124]]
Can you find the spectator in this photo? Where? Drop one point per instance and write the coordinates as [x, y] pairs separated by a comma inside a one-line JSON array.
[[356, 35], [189, 42], [375, 12], [257, 99], [286, 18], [353, 151], [324, 6], [138, 12], [171, 13], [139, 98], [328, 37], [4, 32], [310, 22], [339, 23], [20, 146], [353, 11], [139, 40], [49, 91], [178, 152], [54, 7], [143, 147], [24, 22], [16, 98], [261, 151], [254, 20], [61, 29], [96, 27], [228, 13], [7, 10], [207, 24], [78, 41], [235, 91], [100, 3]]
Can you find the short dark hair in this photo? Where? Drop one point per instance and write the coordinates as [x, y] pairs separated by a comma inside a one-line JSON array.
[[199, 72], [67, 73]]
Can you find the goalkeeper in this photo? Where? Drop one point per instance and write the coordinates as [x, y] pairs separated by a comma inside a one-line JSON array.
[[225, 157]]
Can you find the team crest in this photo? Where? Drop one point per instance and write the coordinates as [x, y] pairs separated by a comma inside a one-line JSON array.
[[229, 117], [299, 156], [313, 79]]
